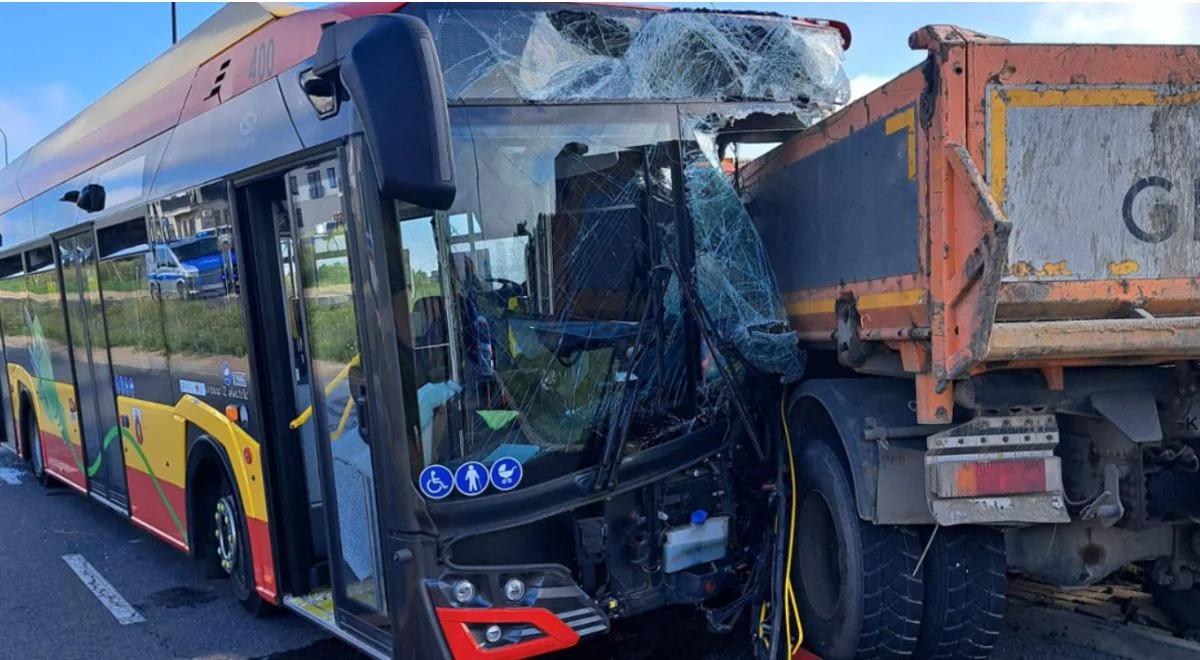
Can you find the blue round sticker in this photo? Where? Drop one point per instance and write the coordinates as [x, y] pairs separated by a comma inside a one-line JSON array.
[[436, 481], [506, 473], [471, 478]]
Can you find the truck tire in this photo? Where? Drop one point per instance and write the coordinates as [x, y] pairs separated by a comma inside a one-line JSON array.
[[1182, 606], [964, 593], [858, 586]]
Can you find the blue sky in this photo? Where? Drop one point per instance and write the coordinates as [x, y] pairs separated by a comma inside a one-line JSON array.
[[61, 57]]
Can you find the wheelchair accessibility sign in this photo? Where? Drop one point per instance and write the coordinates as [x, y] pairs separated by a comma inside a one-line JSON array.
[[436, 481]]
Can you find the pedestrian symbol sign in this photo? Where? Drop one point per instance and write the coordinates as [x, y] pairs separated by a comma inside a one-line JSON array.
[[471, 478], [436, 481], [506, 473]]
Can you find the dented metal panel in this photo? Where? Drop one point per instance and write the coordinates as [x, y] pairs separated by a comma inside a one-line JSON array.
[[1098, 182]]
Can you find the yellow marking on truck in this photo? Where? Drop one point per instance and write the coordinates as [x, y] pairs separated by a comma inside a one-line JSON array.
[[1025, 270], [865, 302], [1095, 96], [996, 142], [905, 119], [1075, 97], [1055, 269], [1021, 269], [1123, 268]]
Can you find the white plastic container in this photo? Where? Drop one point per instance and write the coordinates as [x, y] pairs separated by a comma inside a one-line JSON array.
[[690, 545]]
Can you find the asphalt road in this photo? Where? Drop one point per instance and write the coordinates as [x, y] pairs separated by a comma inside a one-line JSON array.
[[46, 611]]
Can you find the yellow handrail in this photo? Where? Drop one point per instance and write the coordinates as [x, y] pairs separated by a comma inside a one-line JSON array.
[[304, 416]]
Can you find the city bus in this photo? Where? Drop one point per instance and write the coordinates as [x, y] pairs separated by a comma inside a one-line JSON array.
[[435, 324]]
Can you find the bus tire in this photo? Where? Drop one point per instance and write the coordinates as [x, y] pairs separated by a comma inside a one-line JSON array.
[[965, 582], [226, 547], [33, 444], [858, 585]]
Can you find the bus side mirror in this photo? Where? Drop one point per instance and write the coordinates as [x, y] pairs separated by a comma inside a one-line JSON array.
[[389, 66]]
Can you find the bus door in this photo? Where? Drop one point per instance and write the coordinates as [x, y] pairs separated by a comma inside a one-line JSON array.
[[103, 457], [318, 340]]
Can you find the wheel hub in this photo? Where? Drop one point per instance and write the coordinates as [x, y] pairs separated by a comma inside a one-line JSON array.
[[819, 571], [226, 532]]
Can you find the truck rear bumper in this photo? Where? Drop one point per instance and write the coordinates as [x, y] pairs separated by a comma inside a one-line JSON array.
[[996, 470]]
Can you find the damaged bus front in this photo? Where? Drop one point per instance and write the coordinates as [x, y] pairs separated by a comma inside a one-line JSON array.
[[589, 334]]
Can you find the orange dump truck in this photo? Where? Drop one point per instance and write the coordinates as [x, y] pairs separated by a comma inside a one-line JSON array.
[[993, 262]]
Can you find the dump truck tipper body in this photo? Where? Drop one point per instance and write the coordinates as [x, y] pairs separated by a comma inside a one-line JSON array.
[[993, 257]]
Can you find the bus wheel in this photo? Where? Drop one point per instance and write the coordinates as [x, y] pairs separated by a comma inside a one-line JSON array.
[[181, 289], [33, 443], [228, 547], [155, 291], [858, 585], [964, 593]]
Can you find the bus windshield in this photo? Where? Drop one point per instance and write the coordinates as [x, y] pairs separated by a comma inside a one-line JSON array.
[[541, 299], [546, 317]]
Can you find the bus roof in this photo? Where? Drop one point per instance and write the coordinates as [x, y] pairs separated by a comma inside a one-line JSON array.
[[166, 91], [210, 65]]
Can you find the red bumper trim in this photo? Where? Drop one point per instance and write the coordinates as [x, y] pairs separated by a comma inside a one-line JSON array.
[[454, 621]]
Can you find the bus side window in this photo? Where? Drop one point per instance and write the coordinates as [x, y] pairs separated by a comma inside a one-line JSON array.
[[133, 316], [196, 280], [12, 302], [45, 322]]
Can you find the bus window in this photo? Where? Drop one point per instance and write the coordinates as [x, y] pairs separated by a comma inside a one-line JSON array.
[[12, 304], [45, 323], [194, 273], [135, 324]]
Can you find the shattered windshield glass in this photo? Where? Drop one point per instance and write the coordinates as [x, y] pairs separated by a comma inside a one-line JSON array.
[[598, 282], [570, 53], [539, 302], [735, 283]]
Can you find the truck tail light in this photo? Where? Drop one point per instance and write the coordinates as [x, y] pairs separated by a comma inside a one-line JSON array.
[[524, 632], [1002, 477]]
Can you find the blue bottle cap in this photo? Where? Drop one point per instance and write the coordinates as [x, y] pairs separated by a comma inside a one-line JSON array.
[[699, 516]]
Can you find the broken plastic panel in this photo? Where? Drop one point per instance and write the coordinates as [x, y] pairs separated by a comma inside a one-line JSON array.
[[735, 283], [557, 54]]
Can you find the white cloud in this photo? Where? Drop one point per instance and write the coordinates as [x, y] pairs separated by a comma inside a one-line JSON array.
[[863, 83], [1147, 22], [29, 115]]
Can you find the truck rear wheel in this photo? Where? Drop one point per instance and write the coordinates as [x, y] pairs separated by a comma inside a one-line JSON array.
[[964, 593], [858, 585]]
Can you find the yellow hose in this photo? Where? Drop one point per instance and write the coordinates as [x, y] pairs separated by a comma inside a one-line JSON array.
[[791, 611]]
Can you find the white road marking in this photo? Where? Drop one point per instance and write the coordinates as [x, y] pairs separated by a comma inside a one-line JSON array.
[[10, 476], [109, 597]]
